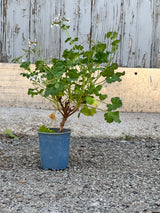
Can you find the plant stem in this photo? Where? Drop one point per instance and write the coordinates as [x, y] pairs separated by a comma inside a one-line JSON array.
[[50, 124], [62, 124]]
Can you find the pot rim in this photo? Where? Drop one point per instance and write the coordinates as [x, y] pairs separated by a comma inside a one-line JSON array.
[[65, 131]]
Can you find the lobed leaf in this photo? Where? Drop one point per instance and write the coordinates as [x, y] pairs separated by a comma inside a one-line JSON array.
[[112, 116], [25, 65], [112, 79], [102, 97], [68, 39], [116, 103], [92, 101], [88, 111], [45, 129], [35, 91]]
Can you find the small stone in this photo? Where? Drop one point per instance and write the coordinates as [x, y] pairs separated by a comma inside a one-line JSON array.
[[22, 181], [156, 210], [95, 204], [27, 129], [1, 146]]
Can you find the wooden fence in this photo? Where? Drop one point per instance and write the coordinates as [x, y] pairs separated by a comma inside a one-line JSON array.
[[136, 21]]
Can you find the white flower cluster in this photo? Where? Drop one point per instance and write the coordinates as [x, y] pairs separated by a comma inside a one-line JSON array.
[[36, 78], [59, 20], [30, 43]]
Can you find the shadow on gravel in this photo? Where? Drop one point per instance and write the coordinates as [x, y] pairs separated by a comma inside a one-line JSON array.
[[84, 152]]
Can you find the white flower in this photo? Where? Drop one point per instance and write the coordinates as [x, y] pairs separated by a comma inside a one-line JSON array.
[[36, 78], [39, 79], [30, 43], [59, 20], [68, 20], [32, 78]]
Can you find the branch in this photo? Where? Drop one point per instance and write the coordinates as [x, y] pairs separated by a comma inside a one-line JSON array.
[[72, 111]]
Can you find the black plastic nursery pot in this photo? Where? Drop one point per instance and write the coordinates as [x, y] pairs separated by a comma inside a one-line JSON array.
[[54, 149]]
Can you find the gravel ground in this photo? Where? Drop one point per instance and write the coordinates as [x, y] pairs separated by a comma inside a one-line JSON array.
[[104, 175], [115, 169]]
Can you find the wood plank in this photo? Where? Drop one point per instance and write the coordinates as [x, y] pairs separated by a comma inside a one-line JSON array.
[[79, 14], [15, 31], [106, 17], [42, 15], [155, 45]]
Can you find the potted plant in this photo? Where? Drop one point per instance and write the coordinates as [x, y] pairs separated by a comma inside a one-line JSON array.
[[73, 83]]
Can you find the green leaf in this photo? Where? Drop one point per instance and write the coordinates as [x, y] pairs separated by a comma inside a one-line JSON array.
[[101, 57], [69, 54], [79, 114], [75, 39], [25, 65], [17, 60], [98, 88], [119, 74], [45, 129], [114, 35], [109, 34], [88, 54], [73, 75], [58, 69], [54, 60], [54, 89], [8, 132], [88, 111], [34, 91], [78, 47], [41, 66], [109, 71], [100, 47], [112, 116], [112, 79], [68, 39], [116, 103], [102, 97], [57, 85], [89, 100], [114, 65], [116, 42], [26, 75]]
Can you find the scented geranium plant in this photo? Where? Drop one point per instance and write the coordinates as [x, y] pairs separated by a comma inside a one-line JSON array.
[[74, 82]]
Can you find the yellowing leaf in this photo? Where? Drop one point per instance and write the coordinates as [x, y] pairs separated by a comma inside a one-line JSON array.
[[95, 103], [52, 116], [88, 111], [92, 101]]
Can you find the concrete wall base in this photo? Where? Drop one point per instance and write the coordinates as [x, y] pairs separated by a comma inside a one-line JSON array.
[[139, 90]]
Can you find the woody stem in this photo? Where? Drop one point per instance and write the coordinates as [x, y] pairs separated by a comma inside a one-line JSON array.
[[62, 123]]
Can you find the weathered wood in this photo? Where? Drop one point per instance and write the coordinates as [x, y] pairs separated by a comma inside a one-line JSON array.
[[79, 14], [137, 22], [42, 14]]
